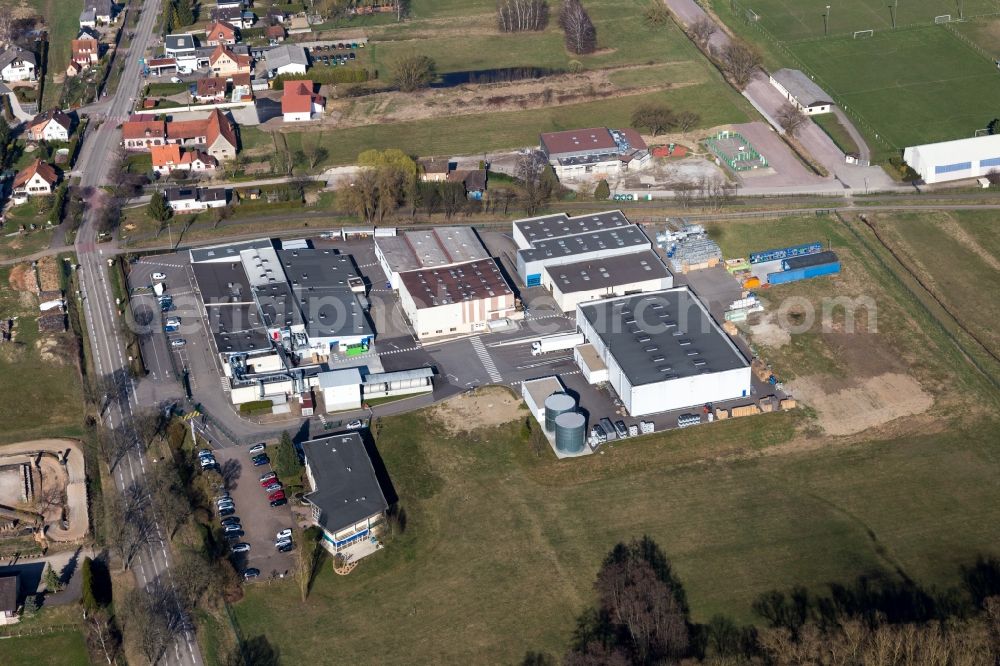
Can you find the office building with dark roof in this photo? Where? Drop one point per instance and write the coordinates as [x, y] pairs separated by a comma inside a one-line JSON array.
[[664, 351], [605, 277], [347, 498], [596, 152]]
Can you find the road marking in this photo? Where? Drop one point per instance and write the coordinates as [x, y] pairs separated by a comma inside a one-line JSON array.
[[486, 359]]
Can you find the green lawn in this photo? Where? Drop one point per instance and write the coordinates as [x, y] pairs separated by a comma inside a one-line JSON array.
[[63, 19], [54, 383], [794, 19], [983, 32], [830, 124], [64, 648], [470, 134]]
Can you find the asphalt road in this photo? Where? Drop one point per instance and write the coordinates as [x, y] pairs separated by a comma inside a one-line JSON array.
[[101, 317]]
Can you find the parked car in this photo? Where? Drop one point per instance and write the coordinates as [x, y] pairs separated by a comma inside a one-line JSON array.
[[250, 573], [241, 547], [262, 459], [230, 521], [232, 529], [227, 504], [283, 542], [273, 488], [276, 495], [268, 476], [279, 502], [283, 534], [179, 342], [285, 546], [621, 429], [353, 55], [228, 511], [257, 449], [158, 276], [354, 425], [222, 496]]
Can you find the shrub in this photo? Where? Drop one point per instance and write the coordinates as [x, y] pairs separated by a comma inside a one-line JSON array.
[[255, 406], [602, 191]]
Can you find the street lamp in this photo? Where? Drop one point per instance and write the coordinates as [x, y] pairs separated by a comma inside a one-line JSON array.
[[826, 22]]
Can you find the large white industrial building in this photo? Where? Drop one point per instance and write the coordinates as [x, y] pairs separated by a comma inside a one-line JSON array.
[[663, 351], [431, 248], [589, 257], [455, 300], [955, 160]]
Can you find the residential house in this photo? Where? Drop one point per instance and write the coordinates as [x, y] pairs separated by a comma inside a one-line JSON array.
[[347, 499], [37, 179], [85, 52], [242, 88], [72, 69], [53, 125], [275, 33], [141, 132], [16, 64], [221, 32], [299, 103], [86, 33], [211, 89], [161, 66], [179, 45], [88, 19], [224, 62], [216, 134], [230, 4], [194, 199], [172, 157], [104, 10], [9, 596], [286, 59], [435, 170], [474, 182], [235, 16]]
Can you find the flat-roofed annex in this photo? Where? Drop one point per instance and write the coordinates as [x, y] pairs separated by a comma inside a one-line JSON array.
[[605, 272], [442, 246], [628, 236], [473, 280], [556, 226]]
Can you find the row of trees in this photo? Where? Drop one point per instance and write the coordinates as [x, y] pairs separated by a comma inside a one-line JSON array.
[[522, 15], [660, 118], [641, 618]]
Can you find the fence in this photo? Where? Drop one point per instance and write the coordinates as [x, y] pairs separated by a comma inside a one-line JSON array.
[[17, 631]]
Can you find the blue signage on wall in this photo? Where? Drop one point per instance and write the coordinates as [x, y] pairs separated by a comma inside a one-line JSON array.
[[785, 253]]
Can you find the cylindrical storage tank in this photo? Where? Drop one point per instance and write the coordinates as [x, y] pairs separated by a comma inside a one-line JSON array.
[[571, 432], [556, 404]]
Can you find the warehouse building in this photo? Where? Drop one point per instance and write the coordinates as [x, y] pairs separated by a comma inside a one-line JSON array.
[[432, 248], [456, 299], [596, 152], [347, 498], [800, 90], [577, 248], [533, 229], [663, 351], [955, 160], [605, 277]]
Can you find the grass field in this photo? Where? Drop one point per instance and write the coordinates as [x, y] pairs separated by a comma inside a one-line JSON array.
[[796, 19], [983, 32], [501, 546], [831, 124], [53, 384], [64, 648], [478, 133]]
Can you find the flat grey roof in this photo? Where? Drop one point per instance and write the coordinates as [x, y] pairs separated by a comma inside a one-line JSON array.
[[278, 305], [431, 248], [607, 272], [474, 280], [801, 87], [335, 378], [223, 282], [347, 489], [554, 226], [629, 236], [227, 252], [319, 280], [398, 376], [662, 335], [237, 328]]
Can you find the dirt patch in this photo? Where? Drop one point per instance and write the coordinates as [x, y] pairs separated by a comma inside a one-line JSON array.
[[22, 278], [483, 408], [870, 403], [52, 350], [769, 333], [48, 274]]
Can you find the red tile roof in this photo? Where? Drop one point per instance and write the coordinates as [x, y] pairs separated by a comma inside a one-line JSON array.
[[54, 115], [298, 97], [571, 141], [240, 59], [164, 155], [43, 169], [211, 86], [220, 27], [144, 129]]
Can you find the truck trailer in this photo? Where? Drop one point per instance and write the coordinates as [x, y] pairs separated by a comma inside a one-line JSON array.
[[556, 343]]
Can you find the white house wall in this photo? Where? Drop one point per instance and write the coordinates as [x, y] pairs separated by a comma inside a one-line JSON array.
[[568, 302], [687, 392]]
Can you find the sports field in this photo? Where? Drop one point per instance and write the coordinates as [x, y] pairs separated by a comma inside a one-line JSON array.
[[790, 20], [911, 86]]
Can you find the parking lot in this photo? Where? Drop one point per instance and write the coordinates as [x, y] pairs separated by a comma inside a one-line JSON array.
[[261, 522]]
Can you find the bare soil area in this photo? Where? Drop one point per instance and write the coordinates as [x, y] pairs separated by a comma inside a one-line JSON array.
[[482, 408], [870, 403]]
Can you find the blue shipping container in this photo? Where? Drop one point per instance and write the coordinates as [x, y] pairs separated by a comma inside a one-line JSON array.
[[805, 273]]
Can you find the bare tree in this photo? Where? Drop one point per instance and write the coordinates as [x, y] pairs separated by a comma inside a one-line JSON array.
[[529, 168], [579, 30], [148, 424], [146, 629], [522, 15], [655, 118], [128, 525], [114, 443], [790, 118], [741, 62], [702, 30], [413, 72], [361, 198], [687, 120], [169, 497], [316, 152], [102, 637], [656, 13]]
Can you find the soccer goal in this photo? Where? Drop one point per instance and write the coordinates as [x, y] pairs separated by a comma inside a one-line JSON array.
[[863, 34], [944, 18]]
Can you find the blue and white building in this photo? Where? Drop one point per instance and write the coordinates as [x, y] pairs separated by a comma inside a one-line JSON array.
[[955, 160]]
